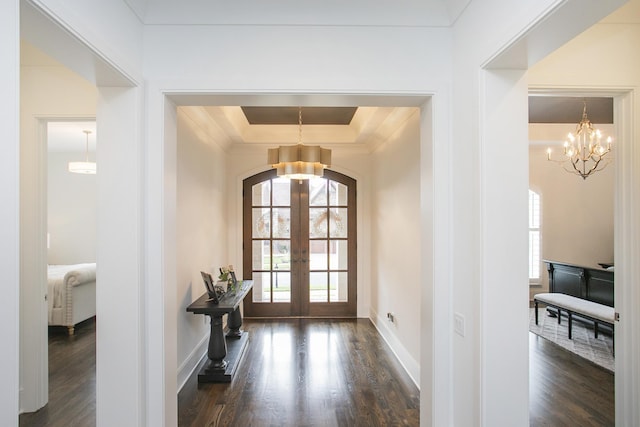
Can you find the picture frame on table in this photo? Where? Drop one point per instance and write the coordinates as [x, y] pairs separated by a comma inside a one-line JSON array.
[[210, 287], [233, 278]]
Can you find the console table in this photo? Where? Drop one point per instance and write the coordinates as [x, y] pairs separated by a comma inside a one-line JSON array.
[[224, 352]]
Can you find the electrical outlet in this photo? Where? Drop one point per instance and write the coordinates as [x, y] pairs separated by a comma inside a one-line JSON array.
[[458, 324]]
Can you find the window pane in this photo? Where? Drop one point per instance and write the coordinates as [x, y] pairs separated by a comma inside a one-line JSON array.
[[318, 192], [261, 287], [282, 222], [534, 210], [337, 194], [281, 192], [318, 287], [318, 255], [281, 255], [338, 259], [261, 194], [261, 258], [261, 223], [339, 287], [534, 254], [281, 286], [338, 224], [317, 222]]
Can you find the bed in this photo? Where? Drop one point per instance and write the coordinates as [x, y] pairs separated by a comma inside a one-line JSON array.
[[71, 294]]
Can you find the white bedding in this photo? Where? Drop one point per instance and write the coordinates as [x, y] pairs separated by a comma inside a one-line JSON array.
[[61, 279]]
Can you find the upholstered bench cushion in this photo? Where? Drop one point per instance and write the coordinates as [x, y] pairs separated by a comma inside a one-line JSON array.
[[578, 306]]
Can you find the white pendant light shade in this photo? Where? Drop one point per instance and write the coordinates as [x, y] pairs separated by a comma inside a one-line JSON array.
[[86, 167]]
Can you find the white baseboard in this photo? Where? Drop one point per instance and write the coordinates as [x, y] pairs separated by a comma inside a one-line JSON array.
[[187, 367], [410, 365]]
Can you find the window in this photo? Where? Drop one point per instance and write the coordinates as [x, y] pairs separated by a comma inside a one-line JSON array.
[[534, 237]]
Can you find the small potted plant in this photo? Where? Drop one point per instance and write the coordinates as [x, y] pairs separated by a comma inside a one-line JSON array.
[[227, 278]]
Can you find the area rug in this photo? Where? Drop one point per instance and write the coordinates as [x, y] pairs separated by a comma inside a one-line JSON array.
[[583, 343]]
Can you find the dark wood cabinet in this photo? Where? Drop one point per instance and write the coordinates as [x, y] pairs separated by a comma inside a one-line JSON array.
[[590, 283]]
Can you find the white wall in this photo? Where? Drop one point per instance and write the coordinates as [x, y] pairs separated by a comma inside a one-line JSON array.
[[346, 60], [396, 269], [10, 210], [488, 184], [47, 91], [614, 45], [201, 225], [72, 211], [102, 42], [577, 215]]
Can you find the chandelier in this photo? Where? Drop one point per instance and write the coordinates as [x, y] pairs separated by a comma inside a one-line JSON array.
[[584, 151], [299, 161], [85, 167]]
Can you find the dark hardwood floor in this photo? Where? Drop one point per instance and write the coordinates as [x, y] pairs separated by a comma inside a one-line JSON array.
[[72, 380], [304, 372], [567, 390]]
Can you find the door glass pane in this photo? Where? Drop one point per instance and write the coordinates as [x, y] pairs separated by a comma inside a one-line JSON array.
[[281, 192], [339, 287], [338, 225], [338, 256], [318, 255], [282, 222], [261, 194], [318, 287], [281, 286], [261, 223], [281, 255], [317, 222], [337, 194], [318, 192], [262, 287], [261, 257]]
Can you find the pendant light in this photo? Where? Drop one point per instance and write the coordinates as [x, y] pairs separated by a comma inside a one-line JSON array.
[[86, 167], [299, 161]]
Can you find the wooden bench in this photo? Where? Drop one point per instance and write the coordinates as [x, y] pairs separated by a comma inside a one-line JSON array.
[[597, 313]]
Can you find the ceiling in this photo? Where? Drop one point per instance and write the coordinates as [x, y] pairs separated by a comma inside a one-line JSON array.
[[412, 13], [299, 115], [369, 126], [556, 109], [362, 127]]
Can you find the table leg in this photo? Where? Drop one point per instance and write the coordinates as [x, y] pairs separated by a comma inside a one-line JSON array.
[[217, 345], [234, 321]]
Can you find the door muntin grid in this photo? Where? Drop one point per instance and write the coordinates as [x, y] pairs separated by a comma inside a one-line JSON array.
[[271, 241]]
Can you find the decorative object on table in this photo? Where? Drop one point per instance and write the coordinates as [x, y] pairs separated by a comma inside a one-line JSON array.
[[215, 292], [228, 277], [584, 152]]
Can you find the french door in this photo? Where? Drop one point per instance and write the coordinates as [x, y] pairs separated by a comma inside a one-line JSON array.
[[299, 245]]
